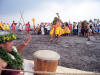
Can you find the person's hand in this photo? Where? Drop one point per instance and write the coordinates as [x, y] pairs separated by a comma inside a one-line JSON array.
[[28, 40], [57, 14], [2, 64]]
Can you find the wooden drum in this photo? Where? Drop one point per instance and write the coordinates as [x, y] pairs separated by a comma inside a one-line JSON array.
[[45, 60]]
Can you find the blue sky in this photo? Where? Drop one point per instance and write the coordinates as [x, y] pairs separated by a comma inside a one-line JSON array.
[[44, 10]]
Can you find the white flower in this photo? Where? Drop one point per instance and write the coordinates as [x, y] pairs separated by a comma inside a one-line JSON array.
[[11, 56], [14, 48]]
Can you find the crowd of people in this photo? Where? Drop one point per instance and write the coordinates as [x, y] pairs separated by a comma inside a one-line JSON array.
[[14, 26], [77, 28], [57, 27]]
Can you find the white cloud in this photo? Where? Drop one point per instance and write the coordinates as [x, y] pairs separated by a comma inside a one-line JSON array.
[[69, 10]]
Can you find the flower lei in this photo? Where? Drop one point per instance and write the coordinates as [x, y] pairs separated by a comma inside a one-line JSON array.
[[7, 37], [16, 63]]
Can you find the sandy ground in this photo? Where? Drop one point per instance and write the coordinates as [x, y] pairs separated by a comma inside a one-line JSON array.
[[76, 52]]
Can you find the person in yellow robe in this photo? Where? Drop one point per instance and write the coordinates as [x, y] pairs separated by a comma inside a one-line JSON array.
[[56, 30], [66, 29], [7, 27], [4, 26], [1, 26]]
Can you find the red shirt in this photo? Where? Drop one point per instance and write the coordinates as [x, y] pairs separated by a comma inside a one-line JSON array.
[[13, 24], [27, 26], [70, 27]]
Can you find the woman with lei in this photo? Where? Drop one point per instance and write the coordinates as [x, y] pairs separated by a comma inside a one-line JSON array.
[[56, 30], [9, 54]]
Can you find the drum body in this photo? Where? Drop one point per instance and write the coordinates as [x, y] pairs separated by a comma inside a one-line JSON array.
[[46, 62]]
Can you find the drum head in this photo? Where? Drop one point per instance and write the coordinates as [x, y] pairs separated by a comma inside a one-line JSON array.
[[46, 55]]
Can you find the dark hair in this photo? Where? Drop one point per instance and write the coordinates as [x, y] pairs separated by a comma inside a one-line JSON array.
[[55, 20], [66, 23], [84, 23]]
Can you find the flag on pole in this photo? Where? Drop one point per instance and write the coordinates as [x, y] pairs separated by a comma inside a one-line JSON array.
[[33, 23]]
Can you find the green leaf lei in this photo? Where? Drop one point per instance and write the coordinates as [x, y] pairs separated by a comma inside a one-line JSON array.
[[16, 63]]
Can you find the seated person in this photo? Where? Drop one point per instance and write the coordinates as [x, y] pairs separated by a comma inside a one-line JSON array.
[[9, 54]]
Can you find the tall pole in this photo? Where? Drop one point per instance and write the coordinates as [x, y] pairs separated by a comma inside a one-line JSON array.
[[21, 14]]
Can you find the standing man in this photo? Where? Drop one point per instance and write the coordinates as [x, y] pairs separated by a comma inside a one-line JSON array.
[[42, 28], [28, 27], [13, 25]]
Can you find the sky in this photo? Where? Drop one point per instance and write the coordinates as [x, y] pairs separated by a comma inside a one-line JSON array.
[[45, 10]]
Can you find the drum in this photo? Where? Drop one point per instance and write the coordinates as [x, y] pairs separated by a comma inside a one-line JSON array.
[[45, 60]]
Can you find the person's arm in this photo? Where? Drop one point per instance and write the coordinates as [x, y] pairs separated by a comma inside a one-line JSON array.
[[2, 65], [59, 20], [58, 16], [23, 45]]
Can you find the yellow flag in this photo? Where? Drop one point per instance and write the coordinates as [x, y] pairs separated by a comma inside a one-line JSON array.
[[33, 19]]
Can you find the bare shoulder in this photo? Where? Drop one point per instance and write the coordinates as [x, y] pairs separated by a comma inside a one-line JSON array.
[[1, 60], [3, 63]]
